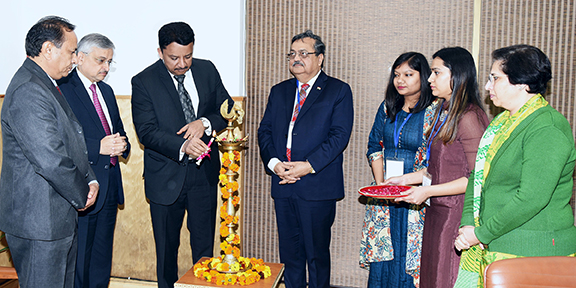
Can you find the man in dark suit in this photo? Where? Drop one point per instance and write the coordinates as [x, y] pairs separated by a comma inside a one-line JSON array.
[[94, 104], [176, 106], [45, 177], [305, 129]]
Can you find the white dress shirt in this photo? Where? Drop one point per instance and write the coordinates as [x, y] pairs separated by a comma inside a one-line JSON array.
[[190, 87], [87, 83], [274, 161]]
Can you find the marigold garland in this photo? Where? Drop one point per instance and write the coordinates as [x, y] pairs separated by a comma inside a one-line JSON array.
[[210, 269], [258, 270]]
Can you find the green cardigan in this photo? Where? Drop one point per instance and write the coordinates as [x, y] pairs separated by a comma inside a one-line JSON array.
[[525, 207]]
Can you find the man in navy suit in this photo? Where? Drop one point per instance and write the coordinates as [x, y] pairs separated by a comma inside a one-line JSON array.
[[94, 104], [304, 131], [176, 106]]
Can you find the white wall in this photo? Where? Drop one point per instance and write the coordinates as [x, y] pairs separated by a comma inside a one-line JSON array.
[[133, 27]]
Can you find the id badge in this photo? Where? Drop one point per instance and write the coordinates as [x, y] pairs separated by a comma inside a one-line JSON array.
[[394, 167], [427, 181]]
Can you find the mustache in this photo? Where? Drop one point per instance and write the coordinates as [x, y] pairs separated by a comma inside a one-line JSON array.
[[182, 69], [297, 62]]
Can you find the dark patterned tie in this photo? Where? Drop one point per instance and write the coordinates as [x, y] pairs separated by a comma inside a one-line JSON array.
[[113, 160], [185, 100]]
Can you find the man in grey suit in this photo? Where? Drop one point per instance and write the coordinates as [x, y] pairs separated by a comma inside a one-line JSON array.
[[45, 176]]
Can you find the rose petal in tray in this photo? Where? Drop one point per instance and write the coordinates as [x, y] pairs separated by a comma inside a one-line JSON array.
[[383, 191]]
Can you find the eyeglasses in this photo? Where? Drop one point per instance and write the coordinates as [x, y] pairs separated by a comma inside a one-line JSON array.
[[101, 61], [492, 78], [302, 53]]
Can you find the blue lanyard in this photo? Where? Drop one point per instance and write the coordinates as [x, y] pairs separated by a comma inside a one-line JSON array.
[[397, 131], [432, 136]]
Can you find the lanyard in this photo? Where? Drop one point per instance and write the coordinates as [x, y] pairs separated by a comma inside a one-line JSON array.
[[432, 136], [397, 131]]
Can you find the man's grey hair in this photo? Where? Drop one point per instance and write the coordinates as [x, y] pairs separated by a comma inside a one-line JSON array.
[[94, 40]]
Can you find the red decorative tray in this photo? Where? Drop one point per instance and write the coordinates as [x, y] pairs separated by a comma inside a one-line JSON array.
[[383, 191]]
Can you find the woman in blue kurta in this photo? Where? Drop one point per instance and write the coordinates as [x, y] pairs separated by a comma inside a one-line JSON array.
[[392, 231]]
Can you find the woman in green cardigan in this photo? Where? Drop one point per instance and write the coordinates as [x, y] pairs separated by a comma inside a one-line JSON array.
[[517, 199]]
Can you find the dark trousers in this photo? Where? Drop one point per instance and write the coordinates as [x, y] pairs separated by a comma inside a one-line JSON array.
[[46, 264], [95, 240], [197, 197], [304, 232]]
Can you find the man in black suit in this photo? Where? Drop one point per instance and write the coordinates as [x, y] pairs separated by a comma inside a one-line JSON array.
[[175, 107], [302, 135], [46, 177], [94, 104]]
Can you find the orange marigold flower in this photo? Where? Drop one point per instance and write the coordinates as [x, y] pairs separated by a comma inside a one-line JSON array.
[[224, 232], [222, 171], [235, 252], [225, 193], [223, 213], [234, 167], [231, 279], [235, 186], [235, 201], [226, 163]]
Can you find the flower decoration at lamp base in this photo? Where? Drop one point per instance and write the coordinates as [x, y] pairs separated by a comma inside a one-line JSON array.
[[230, 268]]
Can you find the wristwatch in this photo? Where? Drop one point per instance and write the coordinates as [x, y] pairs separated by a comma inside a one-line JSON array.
[[312, 171]]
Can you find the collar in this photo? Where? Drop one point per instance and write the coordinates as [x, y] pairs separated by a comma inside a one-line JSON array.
[[310, 82], [87, 83]]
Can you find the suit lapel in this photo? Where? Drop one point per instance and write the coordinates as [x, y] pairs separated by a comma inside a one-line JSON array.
[[289, 104], [313, 95], [166, 79], [110, 101], [32, 66], [84, 98], [200, 89]]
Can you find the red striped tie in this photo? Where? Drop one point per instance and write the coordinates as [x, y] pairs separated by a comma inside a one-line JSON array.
[[295, 114]]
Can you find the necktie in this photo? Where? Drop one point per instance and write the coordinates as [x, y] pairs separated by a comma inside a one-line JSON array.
[[296, 112], [59, 90], [185, 100], [113, 160]]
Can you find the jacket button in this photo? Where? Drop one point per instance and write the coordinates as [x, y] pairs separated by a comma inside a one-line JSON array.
[[106, 166], [91, 162]]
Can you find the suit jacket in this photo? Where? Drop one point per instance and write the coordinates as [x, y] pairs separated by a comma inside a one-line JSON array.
[[45, 170], [83, 107], [157, 115], [320, 135], [526, 196]]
